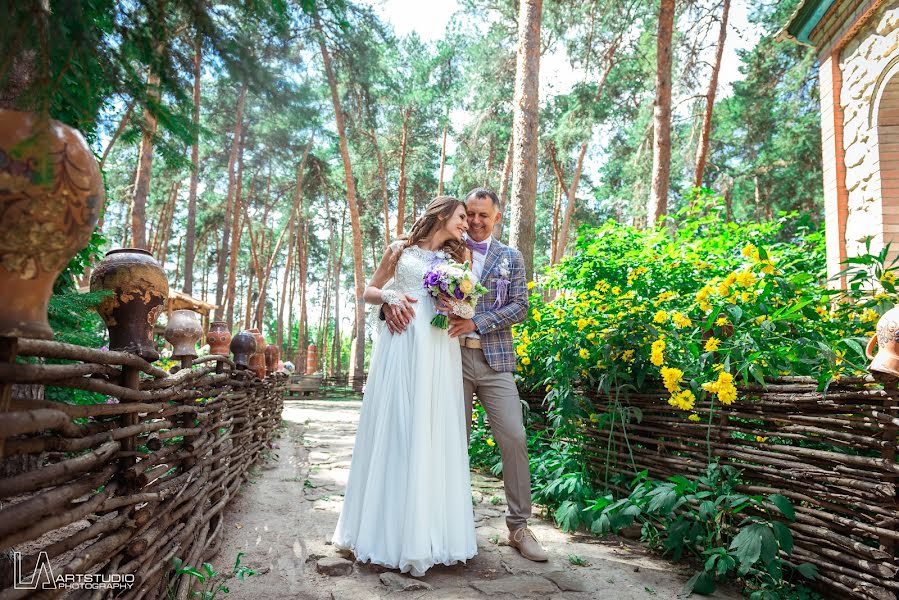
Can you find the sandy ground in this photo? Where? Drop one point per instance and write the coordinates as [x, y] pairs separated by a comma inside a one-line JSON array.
[[284, 517]]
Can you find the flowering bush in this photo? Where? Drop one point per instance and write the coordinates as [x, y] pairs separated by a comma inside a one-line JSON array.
[[698, 306]]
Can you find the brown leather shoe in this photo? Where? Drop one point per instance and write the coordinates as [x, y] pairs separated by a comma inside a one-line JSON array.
[[527, 545]]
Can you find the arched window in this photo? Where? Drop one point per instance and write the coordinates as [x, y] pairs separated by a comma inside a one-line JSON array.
[[886, 104]]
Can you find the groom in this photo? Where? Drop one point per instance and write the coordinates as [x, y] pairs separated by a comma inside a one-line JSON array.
[[488, 358]]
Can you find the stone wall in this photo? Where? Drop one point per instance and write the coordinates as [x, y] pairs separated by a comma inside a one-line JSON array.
[[868, 64]]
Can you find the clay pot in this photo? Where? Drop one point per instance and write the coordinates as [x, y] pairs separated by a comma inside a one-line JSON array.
[[311, 359], [218, 337], [51, 195], [257, 361], [183, 332], [886, 361], [272, 358], [139, 290], [243, 346]]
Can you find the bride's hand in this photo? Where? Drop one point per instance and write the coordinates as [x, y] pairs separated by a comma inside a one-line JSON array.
[[443, 303], [398, 316]]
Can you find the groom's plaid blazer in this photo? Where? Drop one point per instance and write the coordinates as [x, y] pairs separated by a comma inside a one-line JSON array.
[[494, 324]]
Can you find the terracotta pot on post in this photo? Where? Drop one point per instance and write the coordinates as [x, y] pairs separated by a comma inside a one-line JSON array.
[[51, 195], [272, 358], [219, 337], [885, 364], [243, 345], [183, 332], [311, 359], [139, 289], [257, 361]]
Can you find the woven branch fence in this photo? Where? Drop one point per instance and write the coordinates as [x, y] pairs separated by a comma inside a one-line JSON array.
[[833, 454], [122, 487]]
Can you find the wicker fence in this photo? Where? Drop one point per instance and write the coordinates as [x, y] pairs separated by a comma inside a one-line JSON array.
[[832, 453], [118, 489]]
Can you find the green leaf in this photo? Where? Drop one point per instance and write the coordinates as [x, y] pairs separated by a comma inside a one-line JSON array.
[[702, 583], [807, 570], [784, 536], [747, 545], [784, 505]]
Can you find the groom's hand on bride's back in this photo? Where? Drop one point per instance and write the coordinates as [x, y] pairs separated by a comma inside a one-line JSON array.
[[399, 316]]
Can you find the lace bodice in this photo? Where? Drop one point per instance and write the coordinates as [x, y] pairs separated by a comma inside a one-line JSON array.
[[411, 269]]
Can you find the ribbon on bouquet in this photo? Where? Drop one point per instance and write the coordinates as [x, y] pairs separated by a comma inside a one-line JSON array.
[[502, 290]]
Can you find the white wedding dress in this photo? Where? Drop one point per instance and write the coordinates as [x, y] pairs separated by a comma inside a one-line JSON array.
[[408, 497]]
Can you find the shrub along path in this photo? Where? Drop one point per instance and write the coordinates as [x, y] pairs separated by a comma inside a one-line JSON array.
[[284, 517]]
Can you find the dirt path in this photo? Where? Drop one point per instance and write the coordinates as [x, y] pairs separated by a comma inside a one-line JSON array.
[[284, 518]]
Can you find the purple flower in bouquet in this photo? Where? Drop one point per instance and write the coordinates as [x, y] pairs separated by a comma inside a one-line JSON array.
[[459, 294], [456, 284]]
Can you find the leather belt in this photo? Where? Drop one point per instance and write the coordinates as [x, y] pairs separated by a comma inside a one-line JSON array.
[[470, 342]]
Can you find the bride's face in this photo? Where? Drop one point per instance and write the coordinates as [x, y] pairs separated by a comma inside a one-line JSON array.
[[457, 225]]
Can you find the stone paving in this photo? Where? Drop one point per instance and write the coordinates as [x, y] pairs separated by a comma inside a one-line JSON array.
[[284, 517]]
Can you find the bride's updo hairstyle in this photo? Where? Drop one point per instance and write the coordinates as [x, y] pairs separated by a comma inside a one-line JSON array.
[[437, 213]]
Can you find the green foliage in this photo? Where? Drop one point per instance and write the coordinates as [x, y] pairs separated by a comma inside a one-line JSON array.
[[212, 582], [700, 518], [698, 309]]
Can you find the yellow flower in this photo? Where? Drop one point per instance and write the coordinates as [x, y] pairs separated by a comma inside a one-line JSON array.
[[627, 356], [656, 356], [684, 400], [746, 296], [525, 361], [721, 321], [748, 250], [594, 418], [840, 355], [531, 285], [672, 378], [888, 277], [703, 294], [466, 286], [616, 290], [768, 267], [581, 323], [723, 387], [746, 279], [660, 317], [549, 388], [537, 316], [723, 289], [712, 344], [584, 353], [591, 336], [521, 349], [694, 417], [761, 439], [869, 316], [490, 442], [681, 320]]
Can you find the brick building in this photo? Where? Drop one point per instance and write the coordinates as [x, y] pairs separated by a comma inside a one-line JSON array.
[[857, 42]]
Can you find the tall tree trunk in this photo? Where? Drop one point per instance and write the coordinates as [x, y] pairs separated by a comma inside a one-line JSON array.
[[144, 169], [401, 193], [302, 320], [661, 118], [442, 161], [335, 347], [504, 186], [118, 132], [296, 215], [248, 312], [167, 224], [285, 284], [522, 230], [236, 232], [571, 198], [382, 179], [359, 276], [702, 151], [293, 276], [229, 227], [194, 175]]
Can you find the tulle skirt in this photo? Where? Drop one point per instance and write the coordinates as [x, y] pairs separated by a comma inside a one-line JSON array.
[[408, 497]]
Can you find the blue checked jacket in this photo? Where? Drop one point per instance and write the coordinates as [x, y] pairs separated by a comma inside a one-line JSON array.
[[495, 324]]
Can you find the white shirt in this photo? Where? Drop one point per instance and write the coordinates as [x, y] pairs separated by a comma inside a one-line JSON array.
[[477, 267]]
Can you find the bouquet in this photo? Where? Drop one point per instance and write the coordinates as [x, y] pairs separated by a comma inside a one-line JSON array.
[[457, 285]]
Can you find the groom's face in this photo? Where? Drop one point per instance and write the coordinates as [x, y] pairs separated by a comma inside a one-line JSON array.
[[482, 216]]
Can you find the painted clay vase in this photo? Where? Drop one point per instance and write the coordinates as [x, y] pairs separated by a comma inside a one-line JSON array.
[[139, 290], [51, 195], [257, 361], [219, 338], [183, 332], [311, 359], [243, 346], [886, 338], [272, 358]]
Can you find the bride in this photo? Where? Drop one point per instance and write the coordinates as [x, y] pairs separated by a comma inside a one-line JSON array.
[[408, 498]]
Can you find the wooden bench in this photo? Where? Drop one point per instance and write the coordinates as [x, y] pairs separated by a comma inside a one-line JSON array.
[[303, 386]]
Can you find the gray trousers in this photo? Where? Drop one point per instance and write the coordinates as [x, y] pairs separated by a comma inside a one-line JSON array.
[[499, 397]]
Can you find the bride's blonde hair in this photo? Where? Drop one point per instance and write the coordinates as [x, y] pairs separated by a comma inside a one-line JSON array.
[[438, 211]]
